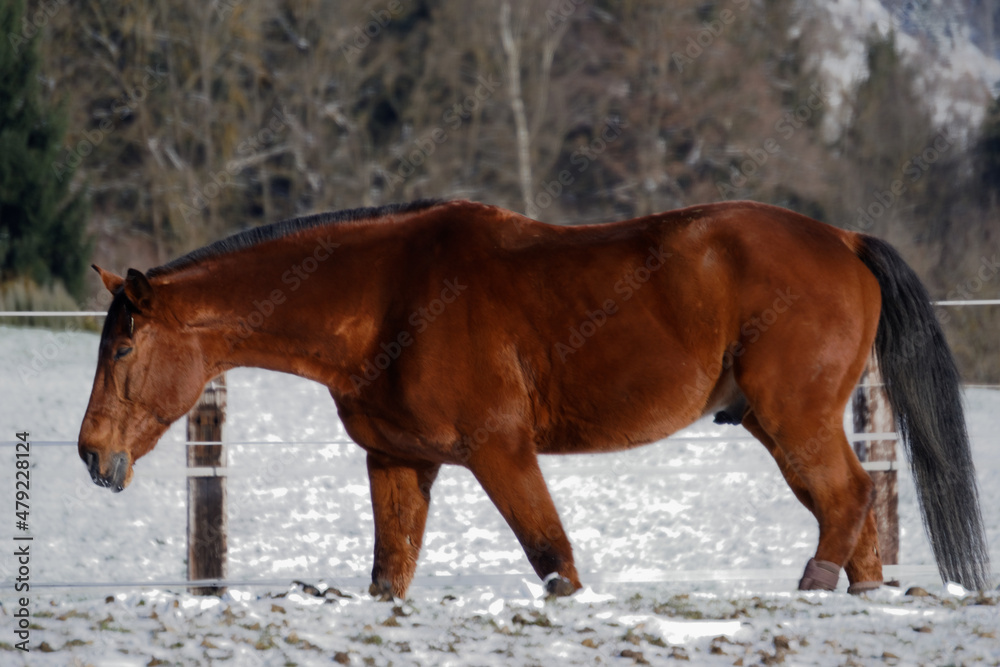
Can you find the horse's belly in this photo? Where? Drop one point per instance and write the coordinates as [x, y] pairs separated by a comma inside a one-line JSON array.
[[615, 428], [597, 419]]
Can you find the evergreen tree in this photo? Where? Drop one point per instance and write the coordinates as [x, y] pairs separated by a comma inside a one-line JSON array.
[[890, 125], [890, 120], [42, 223]]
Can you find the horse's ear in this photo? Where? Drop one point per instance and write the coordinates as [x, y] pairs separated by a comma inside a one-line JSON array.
[[138, 289], [110, 280]]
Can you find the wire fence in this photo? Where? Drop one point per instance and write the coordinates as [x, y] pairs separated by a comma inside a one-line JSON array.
[[778, 575], [638, 576]]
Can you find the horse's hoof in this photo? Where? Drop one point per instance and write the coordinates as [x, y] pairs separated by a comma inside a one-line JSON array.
[[381, 591], [820, 575], [859, 587], [558, 586]]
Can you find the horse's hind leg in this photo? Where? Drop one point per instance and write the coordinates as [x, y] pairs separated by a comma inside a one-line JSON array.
[[864, 566], [864, 569], [400, 500], [841, 493]]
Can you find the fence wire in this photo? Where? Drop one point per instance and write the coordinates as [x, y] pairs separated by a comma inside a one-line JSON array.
[[645, 576]]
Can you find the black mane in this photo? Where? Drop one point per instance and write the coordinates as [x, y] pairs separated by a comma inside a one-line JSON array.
[[257, 235]]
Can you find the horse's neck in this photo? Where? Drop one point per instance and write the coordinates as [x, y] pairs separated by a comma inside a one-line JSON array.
[[281, 314]]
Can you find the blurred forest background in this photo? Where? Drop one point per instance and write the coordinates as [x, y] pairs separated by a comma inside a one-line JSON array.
[[133, 131]]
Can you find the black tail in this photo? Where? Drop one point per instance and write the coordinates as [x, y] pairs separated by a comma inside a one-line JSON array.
[[922, 384]]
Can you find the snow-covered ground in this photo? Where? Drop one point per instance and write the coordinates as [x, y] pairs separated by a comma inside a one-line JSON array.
[[690, 548]]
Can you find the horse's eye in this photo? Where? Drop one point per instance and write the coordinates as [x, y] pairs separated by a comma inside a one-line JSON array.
[[122, 352]]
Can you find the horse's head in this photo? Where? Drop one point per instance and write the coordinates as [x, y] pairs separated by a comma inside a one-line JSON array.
[[150, 372]]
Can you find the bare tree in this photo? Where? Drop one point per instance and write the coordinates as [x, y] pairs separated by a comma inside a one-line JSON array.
[[512, 50]]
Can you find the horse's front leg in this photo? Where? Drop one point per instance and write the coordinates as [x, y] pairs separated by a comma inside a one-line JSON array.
[[512, 479], [401, 496]]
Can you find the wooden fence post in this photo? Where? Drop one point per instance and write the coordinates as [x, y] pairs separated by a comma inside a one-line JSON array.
[[207, 526], [873, 414]]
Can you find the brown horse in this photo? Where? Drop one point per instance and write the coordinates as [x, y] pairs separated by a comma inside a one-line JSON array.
[[460, 333]]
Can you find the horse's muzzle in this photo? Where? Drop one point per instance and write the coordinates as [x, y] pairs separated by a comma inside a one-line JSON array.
[[117, 471]]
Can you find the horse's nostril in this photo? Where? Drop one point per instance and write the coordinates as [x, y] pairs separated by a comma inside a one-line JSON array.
[[118, 467], [91, 460], [118, 471]]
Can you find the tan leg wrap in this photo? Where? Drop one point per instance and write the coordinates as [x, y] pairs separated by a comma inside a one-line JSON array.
[[820, 575]]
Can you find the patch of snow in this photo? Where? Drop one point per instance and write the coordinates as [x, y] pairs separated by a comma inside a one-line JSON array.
[[957, 77], [697, 559]]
